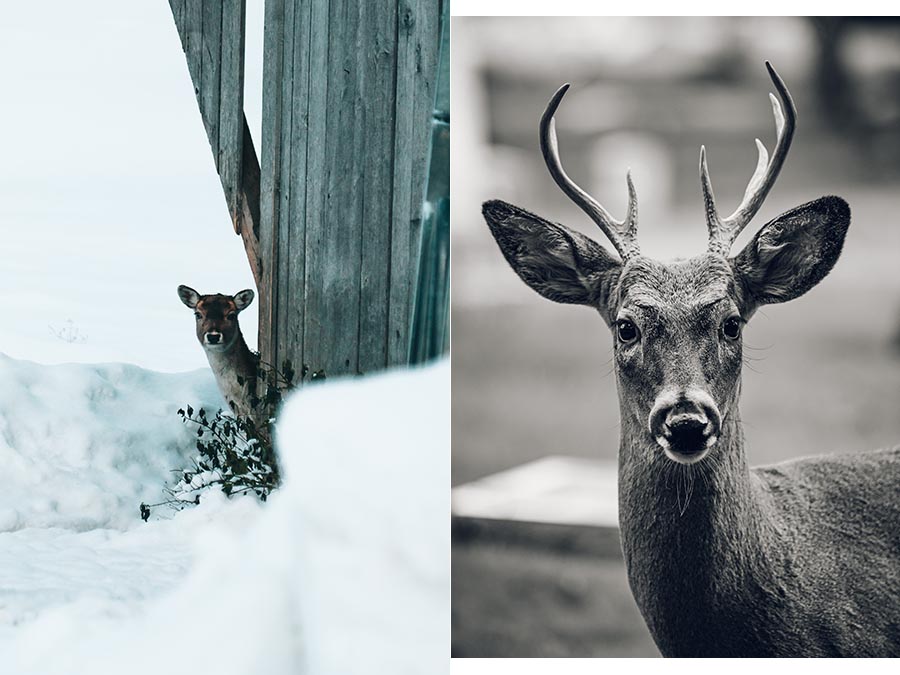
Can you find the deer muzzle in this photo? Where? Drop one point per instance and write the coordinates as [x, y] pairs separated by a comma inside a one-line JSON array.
[[685, 424], [213, 339]]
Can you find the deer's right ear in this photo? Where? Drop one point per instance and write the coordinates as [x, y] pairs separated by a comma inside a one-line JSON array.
[[188, 296], [560, 264]]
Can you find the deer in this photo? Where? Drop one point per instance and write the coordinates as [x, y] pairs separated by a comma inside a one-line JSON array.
[[233, 364], [800, 558]]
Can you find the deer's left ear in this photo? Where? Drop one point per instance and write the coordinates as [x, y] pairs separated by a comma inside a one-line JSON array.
[[243, 299], [792, 253]]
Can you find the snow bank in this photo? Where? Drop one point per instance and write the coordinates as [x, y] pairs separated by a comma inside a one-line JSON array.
[[370, 496], [345, 571], [82, 446]]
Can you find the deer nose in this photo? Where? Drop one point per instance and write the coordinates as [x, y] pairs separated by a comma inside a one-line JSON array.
[[213, 338], [685, 424]]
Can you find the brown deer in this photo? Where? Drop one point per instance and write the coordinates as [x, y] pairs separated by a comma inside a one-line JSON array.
[[796, 559], [233, 364]]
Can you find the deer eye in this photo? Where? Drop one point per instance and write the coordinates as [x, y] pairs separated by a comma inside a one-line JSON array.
[[232, 316], [626, 331], [731, 329], [198, 315]]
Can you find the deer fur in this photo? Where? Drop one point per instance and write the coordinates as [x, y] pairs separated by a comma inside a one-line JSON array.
[[796, 559], [232, 362]]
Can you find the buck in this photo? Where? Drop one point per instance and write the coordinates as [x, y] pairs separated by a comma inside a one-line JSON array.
[[796, 559], [232, 362]]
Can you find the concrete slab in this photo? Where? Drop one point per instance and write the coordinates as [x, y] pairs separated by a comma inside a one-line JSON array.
[[554, 490]]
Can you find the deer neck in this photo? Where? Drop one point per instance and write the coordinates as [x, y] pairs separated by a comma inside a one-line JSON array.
[[234, 368], [696, 543]]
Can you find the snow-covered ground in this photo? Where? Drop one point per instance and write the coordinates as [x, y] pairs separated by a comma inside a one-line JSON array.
[[344, 570]]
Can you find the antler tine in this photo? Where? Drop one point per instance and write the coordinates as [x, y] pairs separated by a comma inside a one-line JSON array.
[[622, 234], [723, 231]]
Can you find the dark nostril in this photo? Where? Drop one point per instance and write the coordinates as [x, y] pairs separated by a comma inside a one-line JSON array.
[[212, 338], [685, 422], [687, 433]]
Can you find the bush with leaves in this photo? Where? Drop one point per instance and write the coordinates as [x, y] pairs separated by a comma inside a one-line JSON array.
[[235, 452]]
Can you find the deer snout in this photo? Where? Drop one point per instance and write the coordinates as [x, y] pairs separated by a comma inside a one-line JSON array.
[[213, 338], [685, 424]]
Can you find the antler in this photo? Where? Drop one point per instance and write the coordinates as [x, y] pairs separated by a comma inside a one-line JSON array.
[[622, 234], [723, 231]]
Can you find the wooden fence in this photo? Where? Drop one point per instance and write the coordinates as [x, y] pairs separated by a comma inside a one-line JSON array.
[[331, 214]]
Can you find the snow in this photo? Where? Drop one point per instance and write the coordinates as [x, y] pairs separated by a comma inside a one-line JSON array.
[[344, 570], [82, 446]]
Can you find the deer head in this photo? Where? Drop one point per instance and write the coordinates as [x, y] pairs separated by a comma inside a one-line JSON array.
[[677, 325], [217, 316]]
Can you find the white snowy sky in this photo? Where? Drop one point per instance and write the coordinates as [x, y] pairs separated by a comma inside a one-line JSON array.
[[108, 194]]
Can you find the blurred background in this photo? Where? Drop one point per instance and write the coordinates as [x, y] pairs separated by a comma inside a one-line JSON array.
[[532, 378]]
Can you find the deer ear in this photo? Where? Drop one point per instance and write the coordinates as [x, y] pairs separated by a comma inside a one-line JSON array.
[[188, 296], [243, 299], [792, 253], [560, 264]]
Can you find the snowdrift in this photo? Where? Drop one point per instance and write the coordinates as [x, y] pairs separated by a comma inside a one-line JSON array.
[[345, 570], [82, 446]]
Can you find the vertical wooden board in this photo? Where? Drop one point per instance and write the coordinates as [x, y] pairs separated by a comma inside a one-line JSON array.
[[315, 187], [355, 52], [270, 163], [339, 282], [398, 331], [231, 109], [442, 72], [177, 7], [282, 240], [295, 255], [193, 30], [379, 49], [314, 302], [427, 48], [321, 288], [416, 59], [210, 71]]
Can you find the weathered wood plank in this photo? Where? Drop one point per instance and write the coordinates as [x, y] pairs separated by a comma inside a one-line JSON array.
[[430, 332], [340, 251], [295, 254], [427, 41], [399, 308], [210, 71], [280, 290], [178, 9], [193, 32], [416, 62], [380, 52], [270, 168], [349, 224], [317, 144], [231, 107]]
